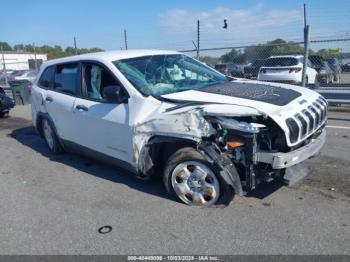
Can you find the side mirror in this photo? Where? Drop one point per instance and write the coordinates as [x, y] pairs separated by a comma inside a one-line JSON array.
[[115, 94]]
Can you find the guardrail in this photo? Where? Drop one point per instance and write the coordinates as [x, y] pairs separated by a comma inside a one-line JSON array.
[[336, 95]]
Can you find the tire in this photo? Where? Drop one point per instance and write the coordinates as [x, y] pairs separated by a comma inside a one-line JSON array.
[[336, 78], [188, 177], [50, 137], [4, 114]]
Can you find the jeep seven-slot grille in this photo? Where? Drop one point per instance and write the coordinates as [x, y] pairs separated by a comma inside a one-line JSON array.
[[307, 121]]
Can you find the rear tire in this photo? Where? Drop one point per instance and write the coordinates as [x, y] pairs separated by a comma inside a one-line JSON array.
[[188, 177], [50, 137], [4, 114]]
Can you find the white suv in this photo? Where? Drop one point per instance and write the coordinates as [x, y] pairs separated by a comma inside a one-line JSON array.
[[286, 69], [164, 113]]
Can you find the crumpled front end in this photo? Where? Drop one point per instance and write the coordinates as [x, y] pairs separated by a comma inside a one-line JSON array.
[[247, 145]]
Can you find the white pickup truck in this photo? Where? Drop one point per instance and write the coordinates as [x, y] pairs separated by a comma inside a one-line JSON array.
[[163, 113]]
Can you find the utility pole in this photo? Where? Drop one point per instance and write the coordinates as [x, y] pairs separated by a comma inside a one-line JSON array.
[[306, 49], [198, 39], [35, 60], [4, 67], [125, 40], [75, 46]]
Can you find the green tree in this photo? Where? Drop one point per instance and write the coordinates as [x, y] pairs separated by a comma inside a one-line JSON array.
[[209, 60], [234, 56], [18, 47], [5, 46]]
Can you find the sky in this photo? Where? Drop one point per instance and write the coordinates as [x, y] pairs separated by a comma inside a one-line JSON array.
[[170, 24]]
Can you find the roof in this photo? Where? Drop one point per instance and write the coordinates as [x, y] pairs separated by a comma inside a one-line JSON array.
[[281, 56], [112, 55]]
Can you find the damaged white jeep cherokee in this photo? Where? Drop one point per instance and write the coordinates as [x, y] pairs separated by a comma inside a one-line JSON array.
[[164, 113]]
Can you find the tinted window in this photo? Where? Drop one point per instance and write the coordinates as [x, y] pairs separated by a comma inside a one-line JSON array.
[[332, 61], [46, 77], [67, 78], [281, 61], [220, 67]]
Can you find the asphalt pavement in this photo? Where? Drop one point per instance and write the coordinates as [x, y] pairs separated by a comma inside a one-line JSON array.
[[56, 204]]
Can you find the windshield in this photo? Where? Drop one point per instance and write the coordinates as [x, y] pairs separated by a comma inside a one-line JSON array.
[[281, 61], [165, 74]]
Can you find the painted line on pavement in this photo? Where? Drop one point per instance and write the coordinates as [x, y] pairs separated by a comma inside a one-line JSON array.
[[339, 127]]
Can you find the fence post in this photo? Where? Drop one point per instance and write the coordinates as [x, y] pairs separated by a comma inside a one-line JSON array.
[[35, 59], [4, 67], [198, 39], [306, 53]]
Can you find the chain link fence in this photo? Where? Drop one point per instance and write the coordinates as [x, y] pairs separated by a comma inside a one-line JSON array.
[[17, 72], [327, 63]]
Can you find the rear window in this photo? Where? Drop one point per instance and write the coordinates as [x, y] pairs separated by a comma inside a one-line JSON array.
[[258, 62], [220, 67], [67, 78], [46, 77], [332, 61], [281, 61]]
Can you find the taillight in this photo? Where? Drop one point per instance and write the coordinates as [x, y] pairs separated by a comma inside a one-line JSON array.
[[296, 70]]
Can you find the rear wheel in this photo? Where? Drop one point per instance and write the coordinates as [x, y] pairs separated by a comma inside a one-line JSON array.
[[50, 137], [191, 179], [4, 114]]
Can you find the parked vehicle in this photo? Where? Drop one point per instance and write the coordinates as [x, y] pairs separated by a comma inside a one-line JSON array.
[[345, 67], [324, 72], [24, 76], [286, 69], [6, 104], [229, 69], [335, 66], [164, 113], [252, 70], [4, 74]]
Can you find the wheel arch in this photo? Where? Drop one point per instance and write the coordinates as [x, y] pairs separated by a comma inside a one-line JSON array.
[[39, 119], [157, 151]]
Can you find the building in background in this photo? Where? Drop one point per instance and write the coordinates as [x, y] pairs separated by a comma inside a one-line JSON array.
[[21, 60]]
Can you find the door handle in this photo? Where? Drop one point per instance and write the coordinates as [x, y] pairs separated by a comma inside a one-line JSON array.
[[49, 99], [82, 107]]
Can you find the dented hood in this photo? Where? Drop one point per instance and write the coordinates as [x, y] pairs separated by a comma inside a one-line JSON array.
[[266, 98]]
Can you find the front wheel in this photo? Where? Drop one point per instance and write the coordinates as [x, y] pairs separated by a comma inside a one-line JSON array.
[[191, 179]]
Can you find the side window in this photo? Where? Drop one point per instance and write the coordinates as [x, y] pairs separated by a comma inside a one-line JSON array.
[[46, 77], [95, 78], [67, 78]]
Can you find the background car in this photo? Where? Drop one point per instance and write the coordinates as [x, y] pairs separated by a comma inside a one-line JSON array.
[[230, 69], [345, 67], [324, 72], [335, 66], [252, 70], [6, 103], [286, 69], [24, 75]]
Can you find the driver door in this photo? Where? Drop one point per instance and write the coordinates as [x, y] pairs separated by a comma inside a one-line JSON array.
[[103, 126]]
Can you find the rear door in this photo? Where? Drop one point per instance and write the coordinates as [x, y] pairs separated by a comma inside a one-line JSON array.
[[59, 100]]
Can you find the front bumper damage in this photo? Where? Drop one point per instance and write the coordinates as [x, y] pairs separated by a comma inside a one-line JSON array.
[[280, 160]]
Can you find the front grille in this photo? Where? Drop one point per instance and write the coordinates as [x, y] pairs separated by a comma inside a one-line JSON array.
[[307, 121], [293, 129]]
